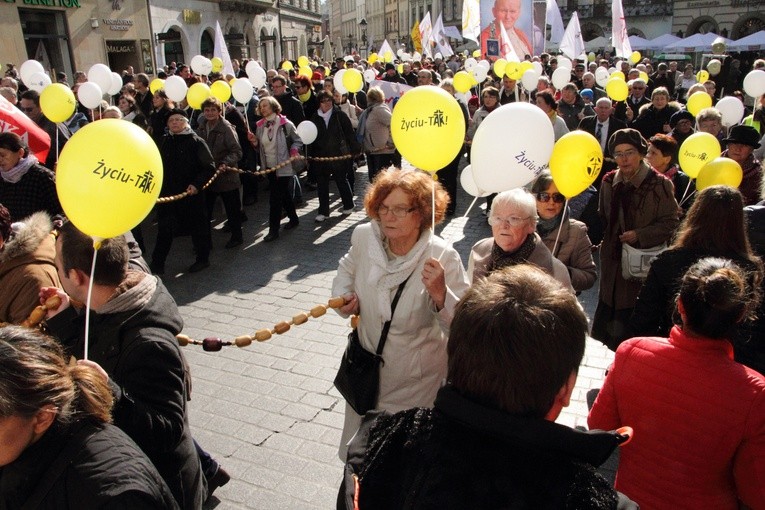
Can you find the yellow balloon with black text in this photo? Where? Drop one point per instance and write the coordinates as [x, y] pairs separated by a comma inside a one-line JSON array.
[[702, 76], [575, 162], [107, 188], [221, 90], [217, 64], [696, 151], [720, 171], [513, 70], [617, 89], [698, 101], [196, 95], [428, 128], [57, 102]]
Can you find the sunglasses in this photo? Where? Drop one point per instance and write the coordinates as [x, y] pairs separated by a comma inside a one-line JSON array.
[[545, 197]]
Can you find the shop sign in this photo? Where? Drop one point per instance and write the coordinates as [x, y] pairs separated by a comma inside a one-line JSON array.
[[118, 24], [192, 17], [48, 3], [120, 48]]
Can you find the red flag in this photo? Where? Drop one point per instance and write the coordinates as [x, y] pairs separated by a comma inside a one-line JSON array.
[[13, 120]]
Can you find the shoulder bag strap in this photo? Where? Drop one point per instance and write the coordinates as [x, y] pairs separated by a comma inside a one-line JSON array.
[[386, 326]]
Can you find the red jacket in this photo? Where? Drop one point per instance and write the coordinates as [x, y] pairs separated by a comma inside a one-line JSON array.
[[699, 423]]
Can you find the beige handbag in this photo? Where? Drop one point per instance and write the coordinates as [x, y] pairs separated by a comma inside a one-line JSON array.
[[637, 261]]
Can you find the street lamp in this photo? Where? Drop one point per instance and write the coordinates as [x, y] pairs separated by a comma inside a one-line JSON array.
[[363, 25]]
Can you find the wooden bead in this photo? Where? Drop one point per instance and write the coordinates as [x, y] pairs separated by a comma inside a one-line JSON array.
[[243, 341], [299, 319], [281, 327], [37, 315], [354, 321], [183, 340], [336, 302], [318, 311], [212, 344], [262, 335], [52, 302]]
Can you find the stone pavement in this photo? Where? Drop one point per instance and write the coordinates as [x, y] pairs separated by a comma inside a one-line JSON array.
[[269, 412]]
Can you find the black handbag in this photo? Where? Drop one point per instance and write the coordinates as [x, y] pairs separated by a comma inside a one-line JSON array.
[[358, 378]]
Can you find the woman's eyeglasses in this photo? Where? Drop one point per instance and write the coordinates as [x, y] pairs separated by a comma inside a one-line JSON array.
[[545, 197], [398, 211]]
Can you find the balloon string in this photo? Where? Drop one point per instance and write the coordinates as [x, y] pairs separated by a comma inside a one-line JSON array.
[[57, 130], [560, 227], [682, 200], [87, 301], [433, 213], [448, 240]]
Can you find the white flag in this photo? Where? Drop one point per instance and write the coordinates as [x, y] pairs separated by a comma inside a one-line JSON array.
[[507, 49], [572, 44], [555, 22], [384, 48], [221, 51], [426, 34], [439, 37], [471, 20], [619, 37]]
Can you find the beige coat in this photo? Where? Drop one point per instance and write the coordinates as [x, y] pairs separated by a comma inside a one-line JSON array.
[[574, 249], [377, 134]]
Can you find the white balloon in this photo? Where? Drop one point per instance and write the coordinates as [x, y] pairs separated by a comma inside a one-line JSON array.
[[257, 76], [564, 61], [116, 85], [560, 77], [250, 67], [416, 56], [201, 65], [338, 81], [468, 182], [538, 68], [38, 81], [90, 94], [611, 70], [242, 90], [438, 55], [307, 131], [732, 110], [29, 68], [470, 64], [714, 66], [530, 79], [601, 76], [754, 83], [176, 88], [511, 147], [485, 64], [479, 73], [463, 97], [399, 52], [370, 75], [406, 57], [101, 75]]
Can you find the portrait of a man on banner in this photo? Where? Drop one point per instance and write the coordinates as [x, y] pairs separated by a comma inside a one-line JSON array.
[[506, 28]]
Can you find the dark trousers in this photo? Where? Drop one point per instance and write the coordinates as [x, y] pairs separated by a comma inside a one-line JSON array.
[[249, 187], [186, 216], [279, 198], [338, 171], [609, 325], [233, 205], [376, 162], [447, 176]]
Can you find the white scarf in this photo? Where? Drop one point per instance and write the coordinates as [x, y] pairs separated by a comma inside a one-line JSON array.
[[15, 174], [386, 275], [325, 115]]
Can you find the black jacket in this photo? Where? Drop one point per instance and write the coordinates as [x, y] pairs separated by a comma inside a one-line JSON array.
[[291, 108], [186, 160], [84, 465], [465, 455], [335, 139], [147, 373]]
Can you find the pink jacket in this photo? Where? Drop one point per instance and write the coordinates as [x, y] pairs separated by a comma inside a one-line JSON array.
[[698, 420]]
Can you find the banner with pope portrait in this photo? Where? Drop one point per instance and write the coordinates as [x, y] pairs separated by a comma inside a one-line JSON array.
[[507, 29]]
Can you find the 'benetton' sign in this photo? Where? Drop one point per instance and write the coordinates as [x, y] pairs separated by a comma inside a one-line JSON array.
[[48, 3]]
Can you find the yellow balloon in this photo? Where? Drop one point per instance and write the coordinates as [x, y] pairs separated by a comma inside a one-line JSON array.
[[696, 151], [197, 94], [698, 101], [644, 76], [499, 67], [591, 57], [400, 68], [353, 80], [303, 61], [617, 89], [388, 56], [575, 162], [720, 171], [513, 70], [617, 74], [231, 82], [156, 84], [57, 102], [462, 81], [635, 57], [107, 188], [305, 71], [525, 66], [221, 90], [702, 76], [287, 65], [217, 64], [428, 117], [374, 57], [476, 53]]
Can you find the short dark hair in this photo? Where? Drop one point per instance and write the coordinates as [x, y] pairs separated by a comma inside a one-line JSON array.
[[324, 94], [548, 98], [212, 101], [31, 95], [516, 337], [280, 78], [13, 142], [665, 144], [5, 223], [77, 253], [143, 78], [302, 81], [542, 182]]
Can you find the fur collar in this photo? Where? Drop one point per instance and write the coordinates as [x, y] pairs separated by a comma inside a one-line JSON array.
[[27, 236]]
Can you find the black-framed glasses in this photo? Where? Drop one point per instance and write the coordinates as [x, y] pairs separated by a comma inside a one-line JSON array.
[[398, 211], [543, 196]]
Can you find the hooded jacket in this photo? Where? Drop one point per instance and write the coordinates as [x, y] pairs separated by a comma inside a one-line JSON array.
[[26, 265], [186, 160]]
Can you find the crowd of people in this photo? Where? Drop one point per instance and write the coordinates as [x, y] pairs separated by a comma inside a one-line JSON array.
[[478, 362]]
